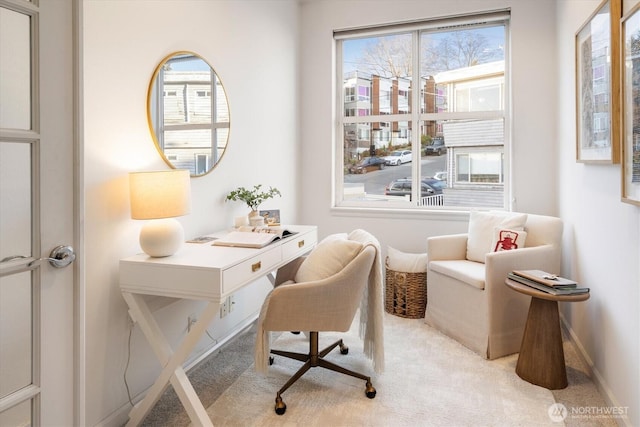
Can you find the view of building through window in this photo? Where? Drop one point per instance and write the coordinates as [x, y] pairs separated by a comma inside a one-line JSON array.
[[445, 110]]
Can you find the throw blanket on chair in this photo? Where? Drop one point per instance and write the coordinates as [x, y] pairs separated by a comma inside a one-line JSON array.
[[372, 305]]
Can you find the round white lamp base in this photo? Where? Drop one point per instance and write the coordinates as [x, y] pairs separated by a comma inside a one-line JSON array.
[[161, 237]]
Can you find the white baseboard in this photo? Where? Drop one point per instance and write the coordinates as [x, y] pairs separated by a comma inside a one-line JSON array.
[[596, 376], [121, 415]]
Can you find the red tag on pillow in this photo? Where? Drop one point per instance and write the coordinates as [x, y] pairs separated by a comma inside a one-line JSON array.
[[507, 240]]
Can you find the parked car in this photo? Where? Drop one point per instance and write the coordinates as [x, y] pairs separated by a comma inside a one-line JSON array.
[[398, 157], [368, 164], [437, 147], [402, 187], [442, 175]]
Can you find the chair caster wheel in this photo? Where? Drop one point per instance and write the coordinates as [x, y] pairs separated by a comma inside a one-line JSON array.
[[271, 360], [344, 349], [370, 391], [280, 406]]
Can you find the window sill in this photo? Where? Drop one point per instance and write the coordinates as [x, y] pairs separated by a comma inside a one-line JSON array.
[[401, 213]]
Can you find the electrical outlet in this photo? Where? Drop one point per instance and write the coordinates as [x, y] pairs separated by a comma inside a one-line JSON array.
[[224, 308], [190, 321], [231, 302]]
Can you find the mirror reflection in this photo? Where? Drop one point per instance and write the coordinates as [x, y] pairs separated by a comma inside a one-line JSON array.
[[188, 113]]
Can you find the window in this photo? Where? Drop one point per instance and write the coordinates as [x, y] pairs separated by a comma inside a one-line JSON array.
[[202, 163], [363, 93], [349, 94], [453, 116], [479, 167]]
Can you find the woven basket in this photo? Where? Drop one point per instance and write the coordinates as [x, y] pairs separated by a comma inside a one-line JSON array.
[[405, 294]]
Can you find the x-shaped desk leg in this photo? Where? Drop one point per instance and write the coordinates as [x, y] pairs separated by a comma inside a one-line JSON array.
[[172, 371]]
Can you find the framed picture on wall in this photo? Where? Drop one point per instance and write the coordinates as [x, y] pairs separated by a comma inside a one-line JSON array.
[[631, 106], [597, 47]]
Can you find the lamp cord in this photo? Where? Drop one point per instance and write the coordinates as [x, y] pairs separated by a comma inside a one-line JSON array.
[[126, 368]]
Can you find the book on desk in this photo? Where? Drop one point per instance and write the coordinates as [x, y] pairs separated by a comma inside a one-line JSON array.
[[253, 237], [546, 282]]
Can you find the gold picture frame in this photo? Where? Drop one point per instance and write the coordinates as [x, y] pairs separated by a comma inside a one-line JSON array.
[[597, 45], [630, 61]]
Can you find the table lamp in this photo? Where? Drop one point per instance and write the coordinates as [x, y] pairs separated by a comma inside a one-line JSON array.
[[158, 197]]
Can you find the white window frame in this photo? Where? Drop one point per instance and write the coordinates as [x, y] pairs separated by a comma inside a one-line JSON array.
[[415, 118]]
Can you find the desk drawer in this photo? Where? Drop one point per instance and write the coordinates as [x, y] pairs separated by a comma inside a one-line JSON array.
[[298, 244], [252, 269]]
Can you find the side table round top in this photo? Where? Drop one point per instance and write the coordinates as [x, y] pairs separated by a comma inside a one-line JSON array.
[[528, 290]]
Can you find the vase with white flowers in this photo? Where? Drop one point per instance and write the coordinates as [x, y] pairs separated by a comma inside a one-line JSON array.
[[253, 198]]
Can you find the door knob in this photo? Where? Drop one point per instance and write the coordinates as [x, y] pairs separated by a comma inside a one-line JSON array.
[[60, 257]]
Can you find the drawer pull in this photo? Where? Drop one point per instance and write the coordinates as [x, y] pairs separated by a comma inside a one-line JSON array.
[[301, 243], [255, 267]]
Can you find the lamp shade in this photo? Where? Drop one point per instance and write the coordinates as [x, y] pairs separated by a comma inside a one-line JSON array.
[[160, 194]]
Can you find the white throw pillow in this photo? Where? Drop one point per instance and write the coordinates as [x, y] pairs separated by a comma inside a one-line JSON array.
[[481, 227], [330, 256], [505, 239], [406, 262]]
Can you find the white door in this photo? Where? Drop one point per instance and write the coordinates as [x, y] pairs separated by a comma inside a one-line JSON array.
[[36, 213]]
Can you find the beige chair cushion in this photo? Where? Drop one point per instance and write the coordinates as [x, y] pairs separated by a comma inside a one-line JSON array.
[[481, 229], [328, 258], [406, 262], [470, 272]]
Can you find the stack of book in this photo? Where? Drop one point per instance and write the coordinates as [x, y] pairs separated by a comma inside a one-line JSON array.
[[546, 282]]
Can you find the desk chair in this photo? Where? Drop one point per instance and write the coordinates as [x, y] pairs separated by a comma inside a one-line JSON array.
[[323, 292]]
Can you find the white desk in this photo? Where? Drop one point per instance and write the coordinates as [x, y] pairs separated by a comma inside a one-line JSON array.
[[197, 271]]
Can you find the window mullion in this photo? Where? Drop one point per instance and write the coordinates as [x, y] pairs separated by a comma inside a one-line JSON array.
[[339, 154], [466, 115], [415, 116], [377, 118]]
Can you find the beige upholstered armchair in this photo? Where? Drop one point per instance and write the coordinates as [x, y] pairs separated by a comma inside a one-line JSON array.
[[467, 297], [323, 292]]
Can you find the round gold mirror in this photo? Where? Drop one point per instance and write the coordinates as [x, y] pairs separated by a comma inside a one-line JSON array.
[[188, 113]]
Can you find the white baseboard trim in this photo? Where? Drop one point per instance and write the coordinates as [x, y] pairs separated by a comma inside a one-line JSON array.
[[120, 416], [596, 376]]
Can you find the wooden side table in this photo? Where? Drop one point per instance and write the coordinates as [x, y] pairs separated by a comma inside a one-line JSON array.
[[541, 359]]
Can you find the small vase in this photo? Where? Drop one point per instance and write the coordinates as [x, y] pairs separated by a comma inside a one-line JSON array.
[[255, 220]]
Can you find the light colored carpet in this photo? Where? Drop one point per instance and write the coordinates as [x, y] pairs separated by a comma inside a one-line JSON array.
[[429, 380]]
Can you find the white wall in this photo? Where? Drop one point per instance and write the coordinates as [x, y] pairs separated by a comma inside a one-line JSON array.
[[601, 241], [252, 45]]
